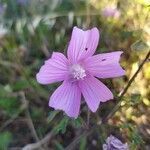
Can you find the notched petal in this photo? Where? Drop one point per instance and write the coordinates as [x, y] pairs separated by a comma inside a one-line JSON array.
[[105, 65], [82, 44]]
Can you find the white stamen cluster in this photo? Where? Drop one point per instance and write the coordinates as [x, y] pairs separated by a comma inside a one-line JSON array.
[[77, 72]]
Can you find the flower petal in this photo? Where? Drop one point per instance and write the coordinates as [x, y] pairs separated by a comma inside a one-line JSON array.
[[82, 44], [54, 70], [67, 97], [105, 65], [94, 92]]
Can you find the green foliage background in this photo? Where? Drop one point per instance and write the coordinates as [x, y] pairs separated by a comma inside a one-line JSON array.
[[30, 32]]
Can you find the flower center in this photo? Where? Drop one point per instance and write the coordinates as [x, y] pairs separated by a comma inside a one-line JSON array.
[[77, 71]]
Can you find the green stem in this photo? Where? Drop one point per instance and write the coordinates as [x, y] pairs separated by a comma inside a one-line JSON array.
[[88, 132], [120, 98]]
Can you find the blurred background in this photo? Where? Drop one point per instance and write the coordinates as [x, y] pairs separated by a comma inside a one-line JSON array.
[[30, 30]]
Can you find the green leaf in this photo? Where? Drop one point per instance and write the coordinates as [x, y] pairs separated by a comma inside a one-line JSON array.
[[9, 105], [135, 99], [140, 45], [136, 139], [20, 85], [83, 144], [37, 113], [77, 123], [61, 127], [58, 146], [134, 136], [5, 139], [52, 116], [4, 91]]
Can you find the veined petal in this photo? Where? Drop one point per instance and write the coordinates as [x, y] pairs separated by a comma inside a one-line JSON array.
[[94, 92], [67, 97], [105, 65], [55, 69], [82, 44]]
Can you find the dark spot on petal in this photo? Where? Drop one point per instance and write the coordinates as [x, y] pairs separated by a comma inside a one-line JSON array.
[[103, 59], [86, 48]]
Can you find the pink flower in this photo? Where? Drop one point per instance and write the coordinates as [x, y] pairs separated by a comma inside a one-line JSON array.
[[112, 143], [78, 72], [111, 12]]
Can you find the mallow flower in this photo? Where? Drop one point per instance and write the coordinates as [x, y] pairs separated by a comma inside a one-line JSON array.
[[111, 11], [113, 143], [79, 72]]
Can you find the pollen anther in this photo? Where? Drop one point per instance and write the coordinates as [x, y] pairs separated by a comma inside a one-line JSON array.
[[77, 71]]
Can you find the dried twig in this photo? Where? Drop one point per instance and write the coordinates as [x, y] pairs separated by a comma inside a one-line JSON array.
[[24, 108], [29, 120], [86, 133], [126, 88], [34, 146], [45, 50], [88, 118]]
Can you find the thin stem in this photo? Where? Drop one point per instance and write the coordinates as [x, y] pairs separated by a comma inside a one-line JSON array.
[[126, 88], [88, 16], [86, 133], [37, 145], [77, 139], [29, 119], [88, 118], [22, 108], [30, 122]]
